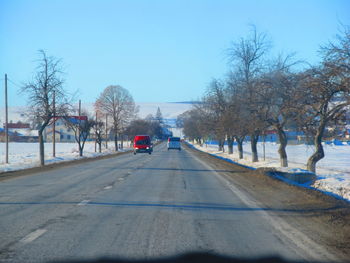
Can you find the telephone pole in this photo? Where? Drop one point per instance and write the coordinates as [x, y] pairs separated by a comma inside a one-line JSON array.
[[79, 120], [54, 126], [95, 132], [6, 123], [106, 132]]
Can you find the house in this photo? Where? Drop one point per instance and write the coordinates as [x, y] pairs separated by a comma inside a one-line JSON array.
[[19, 132], [63, 133], [18, 125]]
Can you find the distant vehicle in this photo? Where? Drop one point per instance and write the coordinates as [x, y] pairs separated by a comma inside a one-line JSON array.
[[174, 143], [142, 144]]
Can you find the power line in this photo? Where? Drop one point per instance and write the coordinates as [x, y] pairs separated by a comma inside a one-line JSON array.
[[14, 83]]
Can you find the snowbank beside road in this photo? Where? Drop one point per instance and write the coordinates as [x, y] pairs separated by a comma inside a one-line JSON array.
[[333, 172], [26, 155]]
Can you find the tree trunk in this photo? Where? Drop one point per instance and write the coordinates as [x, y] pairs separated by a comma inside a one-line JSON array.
[[41, 147], [81, 146], [116, 141], [239, 141], [230, 144], [282, 148], [220, 145], [99, 147], [254, 141], [319, 153], [240, 150], [122, 141]]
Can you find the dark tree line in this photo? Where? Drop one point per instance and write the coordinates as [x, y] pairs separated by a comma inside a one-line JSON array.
[[152, 125], [261, 94]]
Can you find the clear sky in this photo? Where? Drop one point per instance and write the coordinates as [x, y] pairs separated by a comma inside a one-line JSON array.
[[161, 51]]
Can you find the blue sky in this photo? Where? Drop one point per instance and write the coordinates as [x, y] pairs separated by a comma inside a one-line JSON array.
[[161, 51]]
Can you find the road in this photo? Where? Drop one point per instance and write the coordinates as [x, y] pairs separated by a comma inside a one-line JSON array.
[[148, 206]]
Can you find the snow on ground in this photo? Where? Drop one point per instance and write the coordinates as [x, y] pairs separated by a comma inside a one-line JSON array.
[[333, 171], [26, 155]]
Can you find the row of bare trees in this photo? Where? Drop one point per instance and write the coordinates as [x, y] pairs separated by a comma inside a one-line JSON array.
[[282, 94], [48, 100]]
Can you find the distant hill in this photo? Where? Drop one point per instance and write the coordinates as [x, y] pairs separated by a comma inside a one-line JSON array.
[[170, 110], [187, 102]]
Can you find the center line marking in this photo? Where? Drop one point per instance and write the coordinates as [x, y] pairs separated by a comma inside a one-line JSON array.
[[32, 236], [108, 187], [84, 202]]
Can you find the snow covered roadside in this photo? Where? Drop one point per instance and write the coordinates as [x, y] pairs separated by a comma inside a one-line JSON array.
[[26, 155], [333, 172]]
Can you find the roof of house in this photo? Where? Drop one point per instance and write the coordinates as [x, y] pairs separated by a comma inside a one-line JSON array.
[[25, 132], [18, 125]]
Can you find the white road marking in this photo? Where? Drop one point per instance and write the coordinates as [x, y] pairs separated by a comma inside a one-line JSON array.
[[120, 179], [108, 187], [32, 236], [84, 202]]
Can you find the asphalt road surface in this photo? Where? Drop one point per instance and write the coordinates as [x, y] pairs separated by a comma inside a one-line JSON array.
[[150, 206]]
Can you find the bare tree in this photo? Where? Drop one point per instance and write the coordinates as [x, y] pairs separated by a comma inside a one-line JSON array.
[[239, 122], [159, 116], [277, 102], [81, 126], [325, 95], [325, 92], [46, 81], [336, 54], [247, 56], [99, 128], [193, 124], [216, 105], [118, 103]]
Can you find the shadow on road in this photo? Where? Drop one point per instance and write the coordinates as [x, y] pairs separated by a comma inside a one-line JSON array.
[[183, 206], [182, 170], [190, 258]]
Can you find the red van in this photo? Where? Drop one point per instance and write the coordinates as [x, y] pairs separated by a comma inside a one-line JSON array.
[[142, 144]]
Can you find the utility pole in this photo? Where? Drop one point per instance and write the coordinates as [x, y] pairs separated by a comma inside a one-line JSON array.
[[95, 132], [79, 120], [6, 122], [54, 126], [79, 108], [106, 132]]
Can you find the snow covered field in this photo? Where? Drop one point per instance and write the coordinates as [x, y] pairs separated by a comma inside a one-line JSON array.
[[333, 172], [26, 155]]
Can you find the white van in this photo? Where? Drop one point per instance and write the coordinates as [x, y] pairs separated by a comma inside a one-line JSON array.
[[174, 143]]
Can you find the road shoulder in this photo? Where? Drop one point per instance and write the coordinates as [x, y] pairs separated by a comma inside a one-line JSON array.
[[322, 218], [29, 171]]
